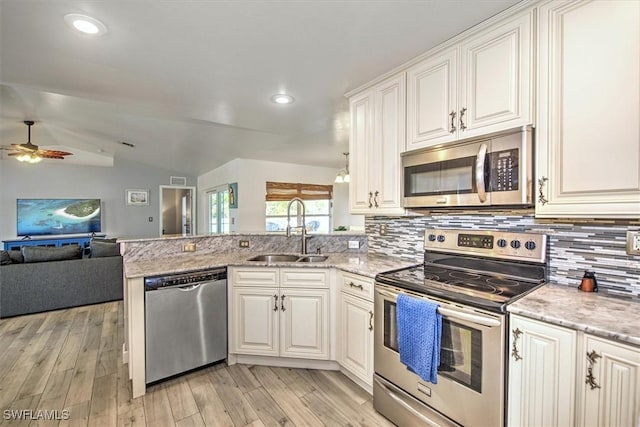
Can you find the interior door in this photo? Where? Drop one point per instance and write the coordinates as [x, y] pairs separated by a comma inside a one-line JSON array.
[[177, 210]]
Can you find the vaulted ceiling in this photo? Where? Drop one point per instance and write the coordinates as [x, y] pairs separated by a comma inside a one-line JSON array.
[[189, 82]]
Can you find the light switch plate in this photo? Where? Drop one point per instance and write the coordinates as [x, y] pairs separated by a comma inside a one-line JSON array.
[[633, 242], [354, 244]]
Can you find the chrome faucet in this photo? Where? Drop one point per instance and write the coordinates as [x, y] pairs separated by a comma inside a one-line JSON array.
[[303, 229]]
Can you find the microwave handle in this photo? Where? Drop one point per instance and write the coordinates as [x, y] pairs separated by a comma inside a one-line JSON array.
[[480, 184]]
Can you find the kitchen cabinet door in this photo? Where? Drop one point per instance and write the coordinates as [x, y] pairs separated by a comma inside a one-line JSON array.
[[356, 337], [496, 88], [361, 152], [588, 134], [542, 374], [304, 323], [376, 140], [254, 321], [432, 101], [610, 384]]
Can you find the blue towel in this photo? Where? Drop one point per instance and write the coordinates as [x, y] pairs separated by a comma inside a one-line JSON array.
[[419, 332]]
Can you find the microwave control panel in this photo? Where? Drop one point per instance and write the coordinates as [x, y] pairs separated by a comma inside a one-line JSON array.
[[504, 170]]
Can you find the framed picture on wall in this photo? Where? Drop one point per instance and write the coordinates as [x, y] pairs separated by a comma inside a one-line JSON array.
[[233, 195], [137, 197]]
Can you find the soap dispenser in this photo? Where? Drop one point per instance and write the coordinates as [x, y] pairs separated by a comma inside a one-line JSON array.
[[589, 283]]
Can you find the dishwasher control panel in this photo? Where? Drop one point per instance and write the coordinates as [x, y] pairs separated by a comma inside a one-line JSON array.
[[184, 279]]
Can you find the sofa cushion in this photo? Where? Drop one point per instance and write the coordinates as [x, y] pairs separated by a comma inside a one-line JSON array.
[[44, 254], [16, 257], [100, 249], [5, 258]]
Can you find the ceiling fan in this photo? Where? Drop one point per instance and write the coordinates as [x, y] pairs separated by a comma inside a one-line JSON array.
[[30, 153]]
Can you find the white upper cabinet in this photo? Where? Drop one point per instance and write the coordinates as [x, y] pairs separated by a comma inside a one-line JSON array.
[[481, 85], [377, 138], [588, 134]]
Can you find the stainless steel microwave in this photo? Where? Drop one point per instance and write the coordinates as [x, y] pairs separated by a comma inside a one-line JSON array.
[[493, 170]]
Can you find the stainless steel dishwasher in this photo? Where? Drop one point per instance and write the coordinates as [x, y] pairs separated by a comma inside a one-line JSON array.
[[185, 322]]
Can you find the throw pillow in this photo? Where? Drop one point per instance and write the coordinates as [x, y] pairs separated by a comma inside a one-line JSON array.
[[44, 254], [16, 257], [5, 258], [104, 249]]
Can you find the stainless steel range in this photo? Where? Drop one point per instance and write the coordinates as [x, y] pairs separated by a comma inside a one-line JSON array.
[[472, 275]]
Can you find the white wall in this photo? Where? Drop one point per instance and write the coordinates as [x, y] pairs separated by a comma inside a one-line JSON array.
[[60, 180], [252, 175]]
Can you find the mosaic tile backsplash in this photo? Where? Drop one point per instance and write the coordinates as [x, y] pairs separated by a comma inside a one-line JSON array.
[[574, 246]]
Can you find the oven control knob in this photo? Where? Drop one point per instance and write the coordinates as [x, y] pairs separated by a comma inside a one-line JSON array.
[[502, 243], [432, 237], [530, 245], [515, 244], [441, 238]]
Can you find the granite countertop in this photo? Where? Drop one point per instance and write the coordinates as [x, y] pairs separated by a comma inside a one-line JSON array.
[[250, 233], [363, 264], [608, 317]]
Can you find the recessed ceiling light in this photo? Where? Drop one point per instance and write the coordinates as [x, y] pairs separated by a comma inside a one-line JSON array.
[[85, 24], [282, 98]]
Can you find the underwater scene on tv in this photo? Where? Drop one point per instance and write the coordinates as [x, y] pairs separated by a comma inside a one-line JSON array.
[[42, 217]]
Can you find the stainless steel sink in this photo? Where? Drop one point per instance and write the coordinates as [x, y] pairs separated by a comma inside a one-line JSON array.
[[288, 258], [312, 258], [275, 258]]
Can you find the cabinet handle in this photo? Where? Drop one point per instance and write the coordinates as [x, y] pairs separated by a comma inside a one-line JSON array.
[[453, 115], [541, 197], [514, 351], [370, 196], [375, 199], [592, 358], [282, 303], [370, 320], [275, 303], [353, 285], [462, 125]]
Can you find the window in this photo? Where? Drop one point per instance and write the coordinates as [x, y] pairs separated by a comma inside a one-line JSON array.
[[317, 203], [218, 210]]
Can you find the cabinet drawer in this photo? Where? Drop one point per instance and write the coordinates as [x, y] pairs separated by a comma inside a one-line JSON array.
[[304, 278], [357, 285], [254, 277]]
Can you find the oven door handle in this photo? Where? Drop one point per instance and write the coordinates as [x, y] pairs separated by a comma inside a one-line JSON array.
[[480, 184], [455, 314]]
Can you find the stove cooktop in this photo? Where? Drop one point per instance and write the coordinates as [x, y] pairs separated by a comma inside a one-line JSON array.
[[489, 291]]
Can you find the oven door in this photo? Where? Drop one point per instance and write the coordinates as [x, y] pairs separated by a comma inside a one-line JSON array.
[[452, 176], [470, 388]]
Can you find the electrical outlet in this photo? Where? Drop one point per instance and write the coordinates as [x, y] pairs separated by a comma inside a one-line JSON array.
[[633, 242], [354, 244], [244, 243], [383, 229], [189, 247]]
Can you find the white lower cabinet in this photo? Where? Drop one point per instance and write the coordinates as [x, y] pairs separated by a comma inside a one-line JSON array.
[[355, 327], [269, 320], [541, 374], [610, 376], [561, 377]]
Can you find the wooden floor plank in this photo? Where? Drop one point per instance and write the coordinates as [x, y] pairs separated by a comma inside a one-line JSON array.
[[71, 348], [183, 405], [345, 384], [326, 410], [296, 409], [157, 409], [294, 381], [194, 420], [27, 408], [54, 395], [243, 378], [104, 408], [83, 377], [211, 407], [234, 401], [267, 409], [78, 415]]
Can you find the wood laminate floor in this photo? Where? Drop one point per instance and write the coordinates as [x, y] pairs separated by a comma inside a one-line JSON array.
[[68, 364]]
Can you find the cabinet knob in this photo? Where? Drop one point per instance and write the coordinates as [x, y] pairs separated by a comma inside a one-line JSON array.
[[370, 196], [275, 303], [359, 286], [375, 199], [453, 115], [370, 320], [514, 350], [592, 358], [282, 303], [462, 125]]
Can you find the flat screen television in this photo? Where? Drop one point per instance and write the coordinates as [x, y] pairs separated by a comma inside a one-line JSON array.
[[43, 217]]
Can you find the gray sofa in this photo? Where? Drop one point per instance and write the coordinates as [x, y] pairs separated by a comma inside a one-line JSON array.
[[43, 286]]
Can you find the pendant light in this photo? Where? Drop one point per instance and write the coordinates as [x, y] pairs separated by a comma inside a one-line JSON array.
[[343, 176]]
